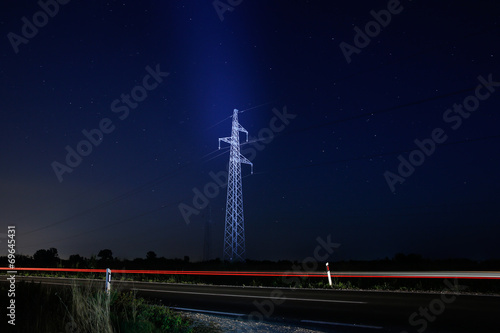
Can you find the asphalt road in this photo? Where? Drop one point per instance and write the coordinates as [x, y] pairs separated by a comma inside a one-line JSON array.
[[419, 274], [333, 310]]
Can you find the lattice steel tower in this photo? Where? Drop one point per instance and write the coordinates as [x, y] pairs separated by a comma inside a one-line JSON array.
[[234, 230]]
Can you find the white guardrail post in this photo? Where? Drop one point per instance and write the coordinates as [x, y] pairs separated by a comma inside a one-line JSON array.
[[329, 275], [108, 280]]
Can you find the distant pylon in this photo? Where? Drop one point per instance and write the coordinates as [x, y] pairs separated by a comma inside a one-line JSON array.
[[206, 245], [234, 230]]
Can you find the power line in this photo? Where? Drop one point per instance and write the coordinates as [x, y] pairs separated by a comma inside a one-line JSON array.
[[254, 107], [366, 114], [167, 176], [107, 225], [265, 172], [127, 194], [384, 110], [429, 48], [257, 106], [374, 155]]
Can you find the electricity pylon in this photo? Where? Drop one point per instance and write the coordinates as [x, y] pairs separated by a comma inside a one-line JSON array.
[[234, 230], [206, 245]]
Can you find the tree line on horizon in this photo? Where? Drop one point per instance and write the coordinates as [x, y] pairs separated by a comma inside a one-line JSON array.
[[104, 259]]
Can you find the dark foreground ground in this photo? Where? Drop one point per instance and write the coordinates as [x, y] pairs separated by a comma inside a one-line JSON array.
[[331, 310]]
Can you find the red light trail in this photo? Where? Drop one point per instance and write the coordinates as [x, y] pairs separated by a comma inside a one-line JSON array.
[[395, 275]]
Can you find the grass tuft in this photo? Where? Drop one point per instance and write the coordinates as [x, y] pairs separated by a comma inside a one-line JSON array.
[[82, 309]]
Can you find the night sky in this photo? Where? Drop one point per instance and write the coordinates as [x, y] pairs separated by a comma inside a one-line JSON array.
[[333, 110]]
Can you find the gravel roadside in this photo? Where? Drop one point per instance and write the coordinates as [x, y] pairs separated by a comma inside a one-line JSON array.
[[229, 324]]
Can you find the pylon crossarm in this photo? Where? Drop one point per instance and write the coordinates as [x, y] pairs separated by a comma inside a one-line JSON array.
[[227, 140], [242, 129], [245, 160]]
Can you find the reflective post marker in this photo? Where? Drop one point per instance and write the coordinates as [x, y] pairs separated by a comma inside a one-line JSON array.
[[108, 280], [329, 275]]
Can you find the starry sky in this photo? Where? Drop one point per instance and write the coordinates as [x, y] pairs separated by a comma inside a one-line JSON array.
[[374, 122]]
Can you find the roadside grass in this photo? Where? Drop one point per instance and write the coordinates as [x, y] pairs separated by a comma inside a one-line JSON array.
[[480, 286], [81, 309], [37, 309]]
